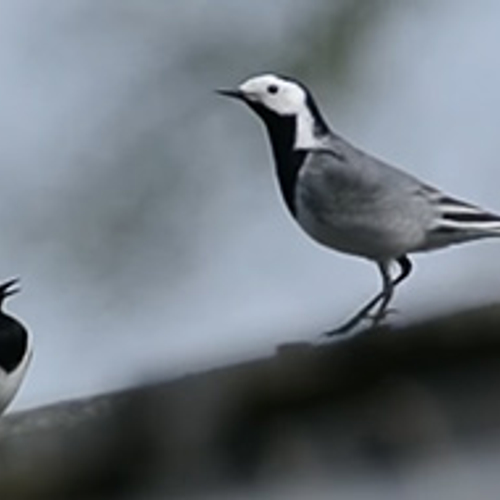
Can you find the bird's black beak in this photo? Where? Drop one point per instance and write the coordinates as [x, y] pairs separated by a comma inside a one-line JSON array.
[[232, 93], [8, 288]]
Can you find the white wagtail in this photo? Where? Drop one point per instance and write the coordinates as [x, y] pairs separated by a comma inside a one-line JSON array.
[[350, 201], [15, 349]]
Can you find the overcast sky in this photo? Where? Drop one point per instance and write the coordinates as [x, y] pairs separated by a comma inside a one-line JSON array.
[[141, 212]]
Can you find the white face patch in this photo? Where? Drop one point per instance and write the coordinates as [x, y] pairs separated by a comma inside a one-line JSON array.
[[285, 98]]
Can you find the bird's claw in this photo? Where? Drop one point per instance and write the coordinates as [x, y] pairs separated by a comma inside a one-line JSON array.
[[380, 316]]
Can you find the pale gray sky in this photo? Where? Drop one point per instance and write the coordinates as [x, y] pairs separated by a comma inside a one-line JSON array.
[[141, 211]]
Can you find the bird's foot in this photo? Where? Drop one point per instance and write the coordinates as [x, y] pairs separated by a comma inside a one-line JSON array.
[[380, 317], [347, 329]]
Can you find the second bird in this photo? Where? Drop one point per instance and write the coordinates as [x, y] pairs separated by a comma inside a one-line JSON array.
[[15, 349], [350, 201]]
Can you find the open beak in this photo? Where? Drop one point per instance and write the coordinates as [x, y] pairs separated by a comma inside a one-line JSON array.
[[9, 288], [233, 93]]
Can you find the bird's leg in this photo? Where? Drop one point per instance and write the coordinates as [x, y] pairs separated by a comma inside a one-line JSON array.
[[383, 297], [386, 296], [362, 314], [389, 287]]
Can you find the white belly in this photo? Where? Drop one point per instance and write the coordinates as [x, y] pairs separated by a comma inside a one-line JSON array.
[[9, 384]]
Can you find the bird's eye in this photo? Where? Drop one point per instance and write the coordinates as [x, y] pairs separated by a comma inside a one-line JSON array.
[[272, 89]]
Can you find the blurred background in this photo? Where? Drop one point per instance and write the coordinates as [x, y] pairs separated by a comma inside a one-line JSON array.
[[141, 211]]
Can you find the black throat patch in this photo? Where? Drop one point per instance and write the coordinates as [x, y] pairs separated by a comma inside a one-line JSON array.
[[282, 130], [13, 343]]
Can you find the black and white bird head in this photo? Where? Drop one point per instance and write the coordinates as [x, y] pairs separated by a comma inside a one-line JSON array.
[[282, 103], [15, 349]]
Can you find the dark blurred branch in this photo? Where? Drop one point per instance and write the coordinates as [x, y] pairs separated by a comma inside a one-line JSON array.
[[375, 401]]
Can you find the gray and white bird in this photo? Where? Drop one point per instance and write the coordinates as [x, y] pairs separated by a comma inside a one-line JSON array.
[[15, 349], [350, 201]]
